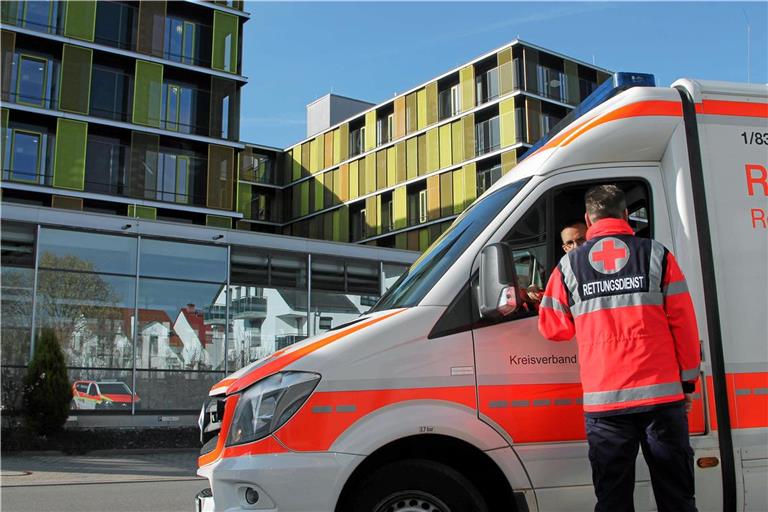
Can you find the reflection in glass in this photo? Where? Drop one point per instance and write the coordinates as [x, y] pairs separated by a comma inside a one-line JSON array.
[[264, 320], [106, 390], [37, 15], [25, 159], [331, 309], [73, 250], [173, 389], [16, 311], [392, 273], [181, 325], [30, 85], [160, 258], [91, 314]]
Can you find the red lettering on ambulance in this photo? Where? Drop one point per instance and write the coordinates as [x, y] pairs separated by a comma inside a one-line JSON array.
[[752, 180], [758, 215]]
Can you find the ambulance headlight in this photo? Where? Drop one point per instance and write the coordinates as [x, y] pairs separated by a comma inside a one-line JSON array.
[[269, 404]]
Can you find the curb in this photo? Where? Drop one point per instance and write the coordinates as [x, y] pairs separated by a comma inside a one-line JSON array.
[[105, 452]]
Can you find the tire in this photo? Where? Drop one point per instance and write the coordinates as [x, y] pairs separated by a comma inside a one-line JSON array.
[[416, 485]]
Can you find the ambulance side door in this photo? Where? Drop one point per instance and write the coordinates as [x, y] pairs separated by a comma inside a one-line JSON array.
[[528, 387]]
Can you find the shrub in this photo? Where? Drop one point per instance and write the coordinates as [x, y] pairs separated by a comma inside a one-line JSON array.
[[47, 391]]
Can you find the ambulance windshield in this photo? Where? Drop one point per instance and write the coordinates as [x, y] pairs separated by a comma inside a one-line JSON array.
[[427, 270]]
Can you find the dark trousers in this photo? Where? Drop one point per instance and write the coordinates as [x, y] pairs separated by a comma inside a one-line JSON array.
[[663, 435]]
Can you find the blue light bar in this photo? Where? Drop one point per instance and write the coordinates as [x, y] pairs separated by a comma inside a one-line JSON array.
[[619, 82]]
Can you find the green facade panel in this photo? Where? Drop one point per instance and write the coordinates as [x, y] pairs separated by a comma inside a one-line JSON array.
[[469, 136], [458, 191], [142, 212], [148, 93], [69, 156], [80, 19], [421, 107], [467, 81], [370, 130], [381, 169], [343, 142], [470, 183], [457, 141], [244, 198], [506, 82], [319, 192], [75, 89], [217, 221], [446, 153], [370, 173], [296, 163], [412, 161], [391, 166], [225, 42], [400, 207], [431, 99], [401, 164], [304, 198], [433, 150], [336, 146], [354, 179]]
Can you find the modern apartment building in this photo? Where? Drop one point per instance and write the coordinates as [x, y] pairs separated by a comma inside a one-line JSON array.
[[398, 173], [123, 171]]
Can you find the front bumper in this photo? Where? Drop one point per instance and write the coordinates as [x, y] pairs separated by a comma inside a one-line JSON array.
[[284, 482]]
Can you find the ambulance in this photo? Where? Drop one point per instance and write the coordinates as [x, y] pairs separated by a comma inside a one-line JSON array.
[[444, 397]]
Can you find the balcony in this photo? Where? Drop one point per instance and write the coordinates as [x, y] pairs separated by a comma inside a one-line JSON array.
[[487, 86], [249, 307], [487, 136]]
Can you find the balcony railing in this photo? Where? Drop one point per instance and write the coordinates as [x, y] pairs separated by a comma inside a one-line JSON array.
[[487, 136]]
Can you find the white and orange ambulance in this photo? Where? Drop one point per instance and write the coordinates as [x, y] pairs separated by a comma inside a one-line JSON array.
[[444, 397]]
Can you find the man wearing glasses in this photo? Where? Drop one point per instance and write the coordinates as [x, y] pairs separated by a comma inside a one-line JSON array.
[[573, 235]]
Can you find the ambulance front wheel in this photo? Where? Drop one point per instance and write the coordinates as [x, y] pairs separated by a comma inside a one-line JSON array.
[[417, 485]]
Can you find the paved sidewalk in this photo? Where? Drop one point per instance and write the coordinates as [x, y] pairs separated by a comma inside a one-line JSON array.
[[34, 469]]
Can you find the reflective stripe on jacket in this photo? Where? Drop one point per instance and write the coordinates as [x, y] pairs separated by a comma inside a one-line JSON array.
[[626, 301]]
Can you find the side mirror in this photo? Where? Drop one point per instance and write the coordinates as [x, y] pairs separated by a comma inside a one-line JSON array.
[[498, 289]]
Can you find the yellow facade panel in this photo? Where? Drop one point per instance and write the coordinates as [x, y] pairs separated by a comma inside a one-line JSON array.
[[421, 109], [508, 161], [412, 158], [433, 150], [507, 129], [399, 117], [400, 205], [467, 83], [391, 166], [446, 154], [458, 190], [370, 130], [431, 103], [470, 183], [457, 141], [354, 192]]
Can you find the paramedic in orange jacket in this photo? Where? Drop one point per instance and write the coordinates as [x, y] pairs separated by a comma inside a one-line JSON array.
[[626, 301]]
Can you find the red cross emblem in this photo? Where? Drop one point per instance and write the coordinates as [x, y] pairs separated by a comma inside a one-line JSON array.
[[609, 255]]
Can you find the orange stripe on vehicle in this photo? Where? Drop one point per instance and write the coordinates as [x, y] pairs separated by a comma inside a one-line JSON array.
[[289, 357], [229, 413], [732, 108], [537, 413], [642, 108], [313, 431]]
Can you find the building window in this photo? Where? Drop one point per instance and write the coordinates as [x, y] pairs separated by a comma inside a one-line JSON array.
[[180, 40], [105, 165], [110, 93], [390, 127], [422, 206], [25, 155], [177, 109], [116, 25], [487, 136], [487, 86], [356, 141], [488, 176], [38, 15], [455, 100], [173, 178], [153, 345], [31, 80], [389, 216]]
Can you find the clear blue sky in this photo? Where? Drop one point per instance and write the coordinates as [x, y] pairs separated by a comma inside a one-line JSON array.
[[295, 52]]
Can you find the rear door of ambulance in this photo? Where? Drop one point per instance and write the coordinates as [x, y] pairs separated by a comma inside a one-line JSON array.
[[729, 183]]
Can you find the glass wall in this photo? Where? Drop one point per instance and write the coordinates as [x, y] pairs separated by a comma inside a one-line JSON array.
[[150, 325]]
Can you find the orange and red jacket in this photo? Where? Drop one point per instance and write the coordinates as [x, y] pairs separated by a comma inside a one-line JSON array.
[[626, 301]]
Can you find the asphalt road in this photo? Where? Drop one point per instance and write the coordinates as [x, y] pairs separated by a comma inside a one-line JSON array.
[[101, 482], [152, 496]]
